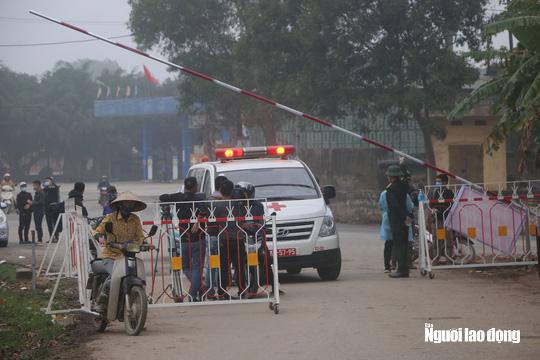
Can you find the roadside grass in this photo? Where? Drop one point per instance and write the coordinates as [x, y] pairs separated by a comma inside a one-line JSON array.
[[26, 332]]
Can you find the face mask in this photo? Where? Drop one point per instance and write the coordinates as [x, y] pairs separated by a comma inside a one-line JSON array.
[[46, 184], [438, 183], [23, 189], [125, 210]]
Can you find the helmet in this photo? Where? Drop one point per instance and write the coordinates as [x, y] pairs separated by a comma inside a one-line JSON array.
[[238, 193], [112, 193], [248, 188], [22, 184], [7, 175], [394, 170]]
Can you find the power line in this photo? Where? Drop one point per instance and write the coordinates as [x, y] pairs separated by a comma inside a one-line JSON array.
[[30, 20], [60, 42]]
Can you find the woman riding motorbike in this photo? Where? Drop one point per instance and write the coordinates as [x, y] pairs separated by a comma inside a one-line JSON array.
[[127, 227]]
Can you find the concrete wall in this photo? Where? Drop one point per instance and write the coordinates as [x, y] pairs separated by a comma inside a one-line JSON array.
[[473, 133]]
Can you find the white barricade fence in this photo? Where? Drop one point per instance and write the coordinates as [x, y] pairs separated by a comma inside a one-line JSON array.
[[58, 243], [52, 246], [76, 261], [212, 252], [464, 226]]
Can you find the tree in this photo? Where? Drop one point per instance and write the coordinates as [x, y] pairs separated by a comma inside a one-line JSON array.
[[198, 33], [369, 57], [515, 92], [409, 68], [18, 99], [52, 118]]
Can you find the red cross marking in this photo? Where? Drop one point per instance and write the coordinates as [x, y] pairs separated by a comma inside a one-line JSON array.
[[276, 206]]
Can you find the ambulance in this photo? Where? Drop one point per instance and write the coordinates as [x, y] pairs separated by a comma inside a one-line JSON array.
[[306, 231]]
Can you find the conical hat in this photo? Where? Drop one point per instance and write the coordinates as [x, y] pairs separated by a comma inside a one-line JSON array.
[[129, 196]]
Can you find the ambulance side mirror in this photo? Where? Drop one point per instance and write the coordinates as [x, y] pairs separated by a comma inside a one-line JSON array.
[[329, 192]]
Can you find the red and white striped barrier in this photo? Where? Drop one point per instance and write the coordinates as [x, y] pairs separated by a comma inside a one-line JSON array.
[[254, 96]]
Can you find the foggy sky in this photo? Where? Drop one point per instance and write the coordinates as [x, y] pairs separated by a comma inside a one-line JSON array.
[[105, 17]]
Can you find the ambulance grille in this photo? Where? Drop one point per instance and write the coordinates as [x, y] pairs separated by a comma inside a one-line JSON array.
[[289, 231]]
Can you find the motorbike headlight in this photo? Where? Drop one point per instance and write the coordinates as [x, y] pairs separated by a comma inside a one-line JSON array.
[[328, 226]]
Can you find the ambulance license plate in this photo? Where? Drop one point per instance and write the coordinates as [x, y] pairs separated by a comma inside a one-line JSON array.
[[286, 252]]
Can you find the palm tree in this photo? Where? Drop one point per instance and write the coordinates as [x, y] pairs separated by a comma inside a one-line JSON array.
[[515, 92]]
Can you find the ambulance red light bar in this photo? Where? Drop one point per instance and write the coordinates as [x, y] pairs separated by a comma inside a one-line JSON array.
[[254, 152]]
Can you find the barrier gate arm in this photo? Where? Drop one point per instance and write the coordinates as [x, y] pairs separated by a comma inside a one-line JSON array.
[[255, 96]]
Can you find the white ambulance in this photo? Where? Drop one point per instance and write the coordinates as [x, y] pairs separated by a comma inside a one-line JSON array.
[[306, 231]]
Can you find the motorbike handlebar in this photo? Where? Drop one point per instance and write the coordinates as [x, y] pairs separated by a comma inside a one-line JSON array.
[[130, 246]]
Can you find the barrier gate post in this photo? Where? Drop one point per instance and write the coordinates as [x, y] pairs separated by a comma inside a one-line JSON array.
[[424, 260]]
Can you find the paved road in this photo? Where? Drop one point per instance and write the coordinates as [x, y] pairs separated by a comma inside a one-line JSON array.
[[364, 315]]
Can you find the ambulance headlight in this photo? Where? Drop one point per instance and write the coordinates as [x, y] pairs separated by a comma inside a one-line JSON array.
[[328, 227]]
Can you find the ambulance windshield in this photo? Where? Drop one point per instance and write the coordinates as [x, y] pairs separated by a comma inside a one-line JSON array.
[[276, 184]]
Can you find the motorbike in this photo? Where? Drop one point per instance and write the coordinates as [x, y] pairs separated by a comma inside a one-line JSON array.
[[127, 301], [7, 197], [103, 198]]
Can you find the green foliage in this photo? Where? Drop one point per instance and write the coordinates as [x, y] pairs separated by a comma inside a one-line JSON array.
[[369, 57], [515, 91], [27, 333]]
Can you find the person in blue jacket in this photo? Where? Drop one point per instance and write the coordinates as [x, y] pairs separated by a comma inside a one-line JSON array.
[[386, 233]]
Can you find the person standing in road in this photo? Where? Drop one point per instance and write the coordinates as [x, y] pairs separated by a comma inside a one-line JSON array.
[[52, 196], [226, 239], [38, 208], [24, 204], [386, 231], [216, 195], [77, 195], [193, 239], [439, 211], [396, 200]]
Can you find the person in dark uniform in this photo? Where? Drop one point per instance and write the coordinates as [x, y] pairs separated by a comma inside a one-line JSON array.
[[254, 228], [193, 244], [38, 208], [24, 208], [77, 196], [52, 196], [227, 238], [439, 213], [396, 198]]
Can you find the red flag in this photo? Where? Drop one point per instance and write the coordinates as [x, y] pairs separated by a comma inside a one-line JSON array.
[[148, 75]]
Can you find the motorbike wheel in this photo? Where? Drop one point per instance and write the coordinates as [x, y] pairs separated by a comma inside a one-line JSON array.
[[101, 323], [135, 311]]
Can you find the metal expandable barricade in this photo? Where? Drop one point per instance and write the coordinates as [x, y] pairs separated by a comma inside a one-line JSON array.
[[76, 262], [464, 227], [212, 252]]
